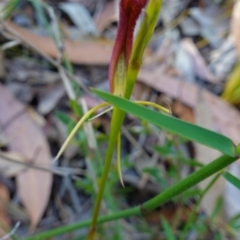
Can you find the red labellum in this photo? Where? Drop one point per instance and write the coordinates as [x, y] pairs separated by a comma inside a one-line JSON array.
[[129, 14]]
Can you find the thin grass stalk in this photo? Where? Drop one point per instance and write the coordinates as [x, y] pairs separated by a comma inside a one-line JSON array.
[[190, 181]]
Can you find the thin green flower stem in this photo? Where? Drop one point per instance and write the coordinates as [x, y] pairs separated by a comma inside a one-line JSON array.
[[131, 78], [115, 133], [165, 196], [116, 123], [150, 18], [194, 211]]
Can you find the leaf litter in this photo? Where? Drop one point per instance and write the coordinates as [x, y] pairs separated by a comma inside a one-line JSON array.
[[192, 53]]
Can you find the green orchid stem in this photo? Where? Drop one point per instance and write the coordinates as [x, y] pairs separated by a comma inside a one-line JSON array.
[[116, 123], [165, 196]]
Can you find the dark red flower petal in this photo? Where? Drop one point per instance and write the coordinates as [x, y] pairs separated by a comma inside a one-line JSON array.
[[129, 14]]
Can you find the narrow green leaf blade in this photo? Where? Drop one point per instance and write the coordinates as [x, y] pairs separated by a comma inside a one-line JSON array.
[[232, 179], [167, 230], [234, 222], [174, 125]]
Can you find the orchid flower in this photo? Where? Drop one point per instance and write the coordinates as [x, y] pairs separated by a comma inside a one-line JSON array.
[[125, 63], [129, 13]]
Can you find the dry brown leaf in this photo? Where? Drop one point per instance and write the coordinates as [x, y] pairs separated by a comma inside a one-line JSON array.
[[141, 91], [236, 24], [183, 112], [199, 64], [106, 16], [169, 212], [50, 97], [82, 52], [10, 168], [2, 65], [27, 139], [4, 218], [159, 56]]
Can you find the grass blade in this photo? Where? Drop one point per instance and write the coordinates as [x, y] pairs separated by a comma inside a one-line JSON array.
[[232, 179], [174, 125], [167, 230]]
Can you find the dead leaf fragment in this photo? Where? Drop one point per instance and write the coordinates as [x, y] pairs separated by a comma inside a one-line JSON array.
[[183, 112], [223, 59], [50, 97], [82, 52], [199, 64], [85, 23], [4, 218], [106, 16], [10, 168], [27, 139]]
